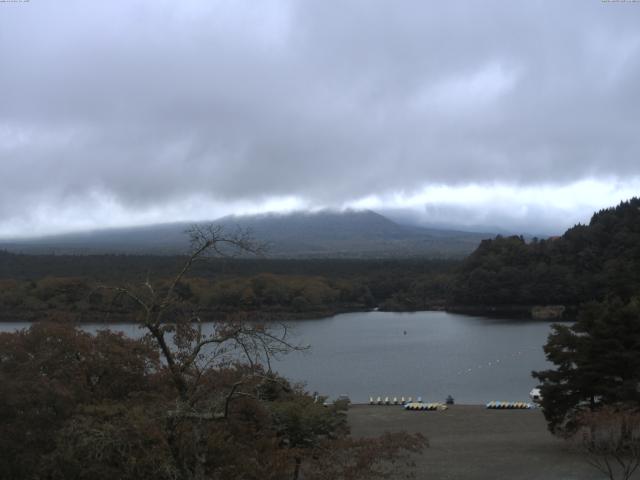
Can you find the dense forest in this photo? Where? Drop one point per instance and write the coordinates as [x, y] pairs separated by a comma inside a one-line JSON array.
[[44, 286], [588, 262]]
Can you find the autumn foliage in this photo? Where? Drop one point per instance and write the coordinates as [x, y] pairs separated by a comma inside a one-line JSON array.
[[81, 406]]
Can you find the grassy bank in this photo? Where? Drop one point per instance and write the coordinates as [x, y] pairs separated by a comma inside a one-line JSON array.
[[471, 442]]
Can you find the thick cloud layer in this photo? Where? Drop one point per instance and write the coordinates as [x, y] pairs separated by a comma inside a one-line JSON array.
[[124, 111]]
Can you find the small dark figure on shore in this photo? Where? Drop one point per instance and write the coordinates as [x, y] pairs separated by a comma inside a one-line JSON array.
[[449, 400]]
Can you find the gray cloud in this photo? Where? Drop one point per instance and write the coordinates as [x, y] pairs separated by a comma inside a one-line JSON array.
[[151, 102]]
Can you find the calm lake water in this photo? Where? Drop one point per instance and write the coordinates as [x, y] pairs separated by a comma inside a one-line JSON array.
[[365, 354]]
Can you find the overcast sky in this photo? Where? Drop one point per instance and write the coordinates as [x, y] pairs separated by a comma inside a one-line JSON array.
[[518, 114]]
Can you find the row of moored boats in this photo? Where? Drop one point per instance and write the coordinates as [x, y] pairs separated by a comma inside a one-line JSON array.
[[393, 400]]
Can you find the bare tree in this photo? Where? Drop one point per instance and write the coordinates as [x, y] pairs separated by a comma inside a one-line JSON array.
[[610, 439], [189, 352]]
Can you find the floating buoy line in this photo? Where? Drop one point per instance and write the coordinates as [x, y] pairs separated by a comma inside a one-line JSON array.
[[494, 363]]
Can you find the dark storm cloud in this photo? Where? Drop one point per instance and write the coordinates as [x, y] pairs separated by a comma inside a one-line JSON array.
[[149, 103]]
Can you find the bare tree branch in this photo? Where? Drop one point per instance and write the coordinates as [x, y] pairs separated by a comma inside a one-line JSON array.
[[179, 334], [610, 439]]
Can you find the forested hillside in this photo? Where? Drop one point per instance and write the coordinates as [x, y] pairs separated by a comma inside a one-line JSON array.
[[588, 262]]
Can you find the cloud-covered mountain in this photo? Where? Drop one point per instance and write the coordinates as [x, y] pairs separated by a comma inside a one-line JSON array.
[[351, 234], [124, 113]]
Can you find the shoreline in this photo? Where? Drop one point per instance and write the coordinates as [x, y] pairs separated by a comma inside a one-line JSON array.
[[497, 312]]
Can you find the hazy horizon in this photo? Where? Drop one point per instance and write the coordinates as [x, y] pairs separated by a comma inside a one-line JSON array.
[[402, 217]]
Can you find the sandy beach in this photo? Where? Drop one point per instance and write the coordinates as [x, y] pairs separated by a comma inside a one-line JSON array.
[[472, 442]]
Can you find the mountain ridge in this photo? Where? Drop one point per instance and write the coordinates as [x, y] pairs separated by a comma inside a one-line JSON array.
[[325, 233]]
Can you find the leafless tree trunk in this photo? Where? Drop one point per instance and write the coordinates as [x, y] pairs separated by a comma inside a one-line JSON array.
[[188, 352]]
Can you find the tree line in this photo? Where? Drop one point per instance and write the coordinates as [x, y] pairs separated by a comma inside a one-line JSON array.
[[589, 262], [67, 285]]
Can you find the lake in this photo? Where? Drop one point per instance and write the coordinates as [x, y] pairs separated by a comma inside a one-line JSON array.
[[428, 354]]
